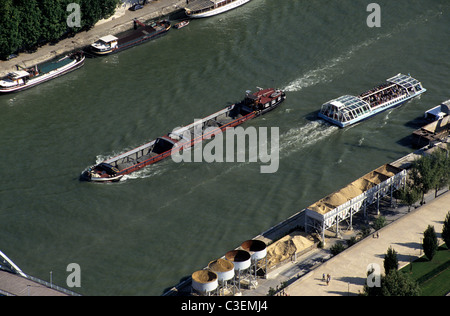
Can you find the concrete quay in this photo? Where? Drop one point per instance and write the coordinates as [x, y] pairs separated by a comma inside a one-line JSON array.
[[120, 22]]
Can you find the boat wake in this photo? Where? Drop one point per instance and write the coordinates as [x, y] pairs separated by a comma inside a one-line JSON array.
[[302, 137], [331, 69]]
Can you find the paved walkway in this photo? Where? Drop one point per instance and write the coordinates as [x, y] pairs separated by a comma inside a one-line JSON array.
[[122, 21], [348, 270]]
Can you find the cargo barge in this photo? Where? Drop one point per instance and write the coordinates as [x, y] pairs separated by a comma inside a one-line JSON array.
[[25, 78], [348, 110], [253, 105], [142, 33]]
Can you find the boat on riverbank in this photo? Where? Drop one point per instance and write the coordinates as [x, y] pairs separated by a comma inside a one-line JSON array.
[[253, 105], [142, 33], [207, 8], [348, 110], [25, 78]]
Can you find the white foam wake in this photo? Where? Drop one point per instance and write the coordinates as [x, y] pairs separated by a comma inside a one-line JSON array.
[[304, 136]]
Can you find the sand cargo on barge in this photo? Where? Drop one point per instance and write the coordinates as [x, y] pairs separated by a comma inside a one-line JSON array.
[[253, 105]]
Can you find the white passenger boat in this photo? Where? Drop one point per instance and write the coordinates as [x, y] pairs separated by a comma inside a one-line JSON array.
[[207, 8], [348, 110]]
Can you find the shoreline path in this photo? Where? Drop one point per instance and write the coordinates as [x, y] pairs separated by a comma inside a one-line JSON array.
[[348, 269], [120, 22]]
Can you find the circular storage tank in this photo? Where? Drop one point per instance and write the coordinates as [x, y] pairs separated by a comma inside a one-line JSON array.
[[240, 258], [204, 281], [257, 248], [223, 268]]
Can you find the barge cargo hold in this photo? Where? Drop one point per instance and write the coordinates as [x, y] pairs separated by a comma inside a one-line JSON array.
[[348, 110], [142, 33], [253, 105], [26, 78]]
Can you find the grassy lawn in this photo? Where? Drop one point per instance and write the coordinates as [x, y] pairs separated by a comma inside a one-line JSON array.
[[433, 276]]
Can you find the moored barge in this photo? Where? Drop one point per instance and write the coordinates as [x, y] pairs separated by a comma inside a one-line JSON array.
[[25, 78], [348, 110], [207, 8], [253, 105], [142, 33]]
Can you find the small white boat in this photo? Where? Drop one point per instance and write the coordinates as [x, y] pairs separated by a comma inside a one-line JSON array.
[[181, 24], [207, 8]]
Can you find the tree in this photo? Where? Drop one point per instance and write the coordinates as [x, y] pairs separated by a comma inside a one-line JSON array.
[[443, 169], [30, 22], [390, 261], [380, 222], [431, 172], [9, 28], [409, 195], [395, 283], [53, 23], [430, 242], [446, 230]]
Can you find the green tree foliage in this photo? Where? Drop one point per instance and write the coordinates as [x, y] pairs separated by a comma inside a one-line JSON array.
[[25, 24], [390, 261], [9, 28], [446, 230], [394, 283], [409, 195], [431, 172], [430, 242]]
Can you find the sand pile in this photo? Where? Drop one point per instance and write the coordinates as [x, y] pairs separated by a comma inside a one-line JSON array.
[[286, 247], [354, 189], [221, 265], [204, 276]]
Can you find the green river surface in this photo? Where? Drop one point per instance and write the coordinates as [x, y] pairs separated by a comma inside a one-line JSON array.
[[144, 234]]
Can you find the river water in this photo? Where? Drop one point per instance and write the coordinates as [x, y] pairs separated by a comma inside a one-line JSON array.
[[142, 235]]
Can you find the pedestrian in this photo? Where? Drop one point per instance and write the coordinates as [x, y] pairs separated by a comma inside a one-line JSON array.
[[323, 277]]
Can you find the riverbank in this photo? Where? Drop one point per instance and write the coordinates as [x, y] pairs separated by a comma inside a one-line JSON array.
[[120, 22], [302, 266]]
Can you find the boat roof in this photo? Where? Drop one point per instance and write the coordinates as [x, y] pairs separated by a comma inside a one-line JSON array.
[[404, 81], [108, 38], [19, 74], [349, 102]]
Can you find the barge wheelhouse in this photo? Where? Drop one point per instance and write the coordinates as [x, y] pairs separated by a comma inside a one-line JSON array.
[[253, 105], [348, 110]]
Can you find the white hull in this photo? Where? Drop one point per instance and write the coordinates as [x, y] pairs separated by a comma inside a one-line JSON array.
[[75, 64], [218, 10]]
